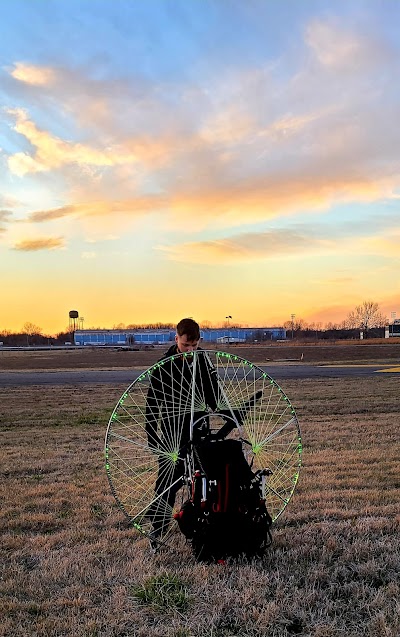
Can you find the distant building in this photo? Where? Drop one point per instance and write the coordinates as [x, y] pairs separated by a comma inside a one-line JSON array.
[[393, 329], [128, 337]]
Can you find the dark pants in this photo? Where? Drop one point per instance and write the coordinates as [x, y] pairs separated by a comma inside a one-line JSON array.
[[160, 511]]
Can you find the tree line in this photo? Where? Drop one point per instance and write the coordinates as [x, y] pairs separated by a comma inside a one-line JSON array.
[[365, 317]]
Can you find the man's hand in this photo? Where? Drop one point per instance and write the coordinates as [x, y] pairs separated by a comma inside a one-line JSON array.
[[235, 417]]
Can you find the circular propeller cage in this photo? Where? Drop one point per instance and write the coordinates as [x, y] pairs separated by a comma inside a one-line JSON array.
[[244, 395]]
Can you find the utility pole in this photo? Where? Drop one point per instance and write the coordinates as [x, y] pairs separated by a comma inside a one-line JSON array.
[[229, 325], [292, 316]]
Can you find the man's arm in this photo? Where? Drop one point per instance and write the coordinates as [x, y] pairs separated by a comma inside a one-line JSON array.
[[152, 413], [209, 382], [212, 394], [236, 417]]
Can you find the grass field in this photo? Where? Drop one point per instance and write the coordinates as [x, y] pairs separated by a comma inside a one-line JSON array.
[[376, 350], [72, 567]]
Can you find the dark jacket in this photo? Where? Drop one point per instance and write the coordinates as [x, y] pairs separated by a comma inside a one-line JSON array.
[[171, 399]]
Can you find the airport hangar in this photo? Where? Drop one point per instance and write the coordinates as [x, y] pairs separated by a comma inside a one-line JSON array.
[[130, 337]]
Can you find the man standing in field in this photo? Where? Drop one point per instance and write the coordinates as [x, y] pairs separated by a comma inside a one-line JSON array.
[[174, 407]]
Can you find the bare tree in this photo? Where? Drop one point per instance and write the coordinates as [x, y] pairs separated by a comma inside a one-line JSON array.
[[30, 329], [297, 324], [365, 316]]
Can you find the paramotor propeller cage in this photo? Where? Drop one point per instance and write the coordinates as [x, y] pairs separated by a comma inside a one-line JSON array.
[[150, 438]]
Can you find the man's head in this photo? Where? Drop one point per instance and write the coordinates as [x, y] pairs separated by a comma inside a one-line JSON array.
[[187, 335]]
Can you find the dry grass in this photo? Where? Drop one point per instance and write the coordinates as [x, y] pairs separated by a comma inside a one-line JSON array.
[[72, 567], [375, 351]]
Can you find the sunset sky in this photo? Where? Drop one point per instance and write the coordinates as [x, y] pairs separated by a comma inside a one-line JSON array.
[[161, 159]]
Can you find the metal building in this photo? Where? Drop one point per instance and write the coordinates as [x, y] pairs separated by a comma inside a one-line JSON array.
[[159, 337]]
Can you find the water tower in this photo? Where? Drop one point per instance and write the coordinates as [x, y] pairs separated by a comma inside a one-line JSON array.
[[73, 320]]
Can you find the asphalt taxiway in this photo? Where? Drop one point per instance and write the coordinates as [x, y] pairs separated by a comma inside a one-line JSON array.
[[127, 376]]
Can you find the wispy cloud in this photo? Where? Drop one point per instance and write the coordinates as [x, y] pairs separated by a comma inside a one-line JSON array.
[[193, 209], [5, 216], [43, 243], [8, 201], [288, 243], [137, 206], [52, 152], [248, 247], [33, 74], [337, 47], [387, 244]]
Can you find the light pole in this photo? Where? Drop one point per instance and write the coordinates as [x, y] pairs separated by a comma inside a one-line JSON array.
[[292, 316], [229, 333], [393, 315]]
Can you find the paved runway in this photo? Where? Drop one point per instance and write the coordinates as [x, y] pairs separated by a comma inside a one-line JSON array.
[[127, 376]]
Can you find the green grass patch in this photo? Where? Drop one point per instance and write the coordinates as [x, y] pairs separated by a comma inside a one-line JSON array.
[[97, 511], [163, 592]]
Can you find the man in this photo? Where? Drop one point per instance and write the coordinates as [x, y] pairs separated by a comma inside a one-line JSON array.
[[180, 395], [171, 394]]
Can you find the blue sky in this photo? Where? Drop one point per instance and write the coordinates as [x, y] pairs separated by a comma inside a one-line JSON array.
[[161, 159]]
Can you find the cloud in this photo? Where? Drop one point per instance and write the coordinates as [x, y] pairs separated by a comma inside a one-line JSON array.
[[5, 214], [273, 196], [138, 206], [289, 242], [339, 47], [192, 209], [229, 126], [7, 201], [242, 147], [88, 255], [384, 244], [249, 247], [43, 243], [4, 219], [124, 110], [33, 74], [52, 152]]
